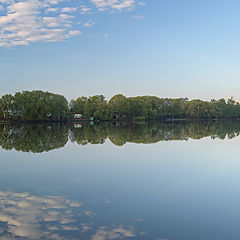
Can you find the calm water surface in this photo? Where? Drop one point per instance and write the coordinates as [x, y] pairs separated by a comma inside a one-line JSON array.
[[150, 181]]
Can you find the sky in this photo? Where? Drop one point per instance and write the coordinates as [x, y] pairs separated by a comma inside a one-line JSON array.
[[174, 48]]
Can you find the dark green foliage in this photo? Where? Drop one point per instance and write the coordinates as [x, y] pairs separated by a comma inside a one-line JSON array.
[[34, 105], [139, 119], [38, 105], [95, 106], [120, 107]]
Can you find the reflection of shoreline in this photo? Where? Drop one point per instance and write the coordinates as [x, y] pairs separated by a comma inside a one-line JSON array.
[[39, 138], [26, 216]]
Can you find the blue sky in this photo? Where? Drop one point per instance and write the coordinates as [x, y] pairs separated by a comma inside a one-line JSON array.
[[136, 47]]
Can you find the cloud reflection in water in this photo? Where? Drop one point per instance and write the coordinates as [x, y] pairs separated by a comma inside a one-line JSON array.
[[26, 216]]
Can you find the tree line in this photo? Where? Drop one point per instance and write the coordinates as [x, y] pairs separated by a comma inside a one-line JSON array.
[[38, 105], [120, 107]]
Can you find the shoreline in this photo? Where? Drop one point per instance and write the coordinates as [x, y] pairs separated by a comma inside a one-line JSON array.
[[168, 120]]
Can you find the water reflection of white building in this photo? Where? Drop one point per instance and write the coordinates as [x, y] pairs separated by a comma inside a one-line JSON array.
[[78, 125]]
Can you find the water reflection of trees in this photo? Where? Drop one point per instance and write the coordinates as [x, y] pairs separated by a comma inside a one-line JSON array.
[[153, 132], [40, 138], [84, 134], [33, 138]]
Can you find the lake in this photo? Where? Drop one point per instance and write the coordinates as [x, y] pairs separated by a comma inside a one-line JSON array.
[[142, 181]]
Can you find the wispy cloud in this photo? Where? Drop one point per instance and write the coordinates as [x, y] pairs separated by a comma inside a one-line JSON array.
[[84, 9], [69, 9], [119, 5], [28, 21], [142, 3], [89, 23], [138, 17], [106, 35]]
